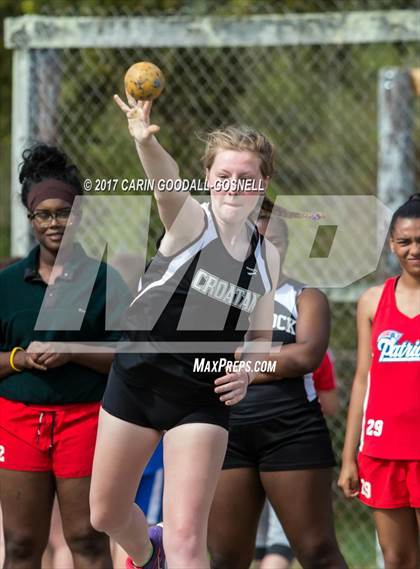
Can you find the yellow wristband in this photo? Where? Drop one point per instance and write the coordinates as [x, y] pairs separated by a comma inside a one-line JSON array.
[[12, 356]]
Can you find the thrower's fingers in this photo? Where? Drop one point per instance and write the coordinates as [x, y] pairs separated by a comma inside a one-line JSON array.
[[228, 387], [147, 107], [123, 106], [224, 379], [229, 395], [234, 397], [131, 100], [153, 129], [135, 113], [234, 390]]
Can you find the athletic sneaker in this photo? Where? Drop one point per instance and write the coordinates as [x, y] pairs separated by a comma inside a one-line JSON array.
[[158, 558]]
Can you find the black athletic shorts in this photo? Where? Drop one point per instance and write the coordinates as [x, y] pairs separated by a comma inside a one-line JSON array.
[[289, 441], [136, 402]]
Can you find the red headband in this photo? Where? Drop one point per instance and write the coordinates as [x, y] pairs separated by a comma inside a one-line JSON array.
[[51, 189]]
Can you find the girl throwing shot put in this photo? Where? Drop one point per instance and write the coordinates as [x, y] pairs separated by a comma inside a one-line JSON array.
[[210, 281]]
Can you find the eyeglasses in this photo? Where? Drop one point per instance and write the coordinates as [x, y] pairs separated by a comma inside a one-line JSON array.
[[44, 217]]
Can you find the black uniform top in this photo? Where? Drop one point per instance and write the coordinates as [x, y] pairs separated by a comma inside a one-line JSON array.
[[267, 400], [200, 294], [77, 303]]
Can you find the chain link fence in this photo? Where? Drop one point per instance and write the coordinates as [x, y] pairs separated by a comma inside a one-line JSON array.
[[317, 103]]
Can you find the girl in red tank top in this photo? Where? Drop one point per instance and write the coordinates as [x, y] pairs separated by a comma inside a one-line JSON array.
[[384, 412], [391, 422]]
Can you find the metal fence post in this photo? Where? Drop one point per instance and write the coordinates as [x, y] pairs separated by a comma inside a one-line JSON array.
[[396, 173], [48, 75], [20, 237]]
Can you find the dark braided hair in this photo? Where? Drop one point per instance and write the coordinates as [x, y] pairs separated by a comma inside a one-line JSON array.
[[408, 210], [269, 209], [43, 161]]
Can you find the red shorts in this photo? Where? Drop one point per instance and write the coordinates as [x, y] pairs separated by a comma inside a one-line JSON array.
[[48, 438], [389, 483]]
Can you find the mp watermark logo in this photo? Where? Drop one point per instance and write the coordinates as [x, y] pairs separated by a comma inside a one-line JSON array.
[[361, 224]]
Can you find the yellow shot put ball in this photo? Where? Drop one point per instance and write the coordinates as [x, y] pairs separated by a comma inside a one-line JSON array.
[[144, 81]]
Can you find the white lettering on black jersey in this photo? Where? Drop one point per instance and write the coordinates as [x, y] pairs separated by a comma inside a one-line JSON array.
[[226, 292]]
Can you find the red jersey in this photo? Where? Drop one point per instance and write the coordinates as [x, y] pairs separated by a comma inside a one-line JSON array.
[[391, 422], [324, 376]]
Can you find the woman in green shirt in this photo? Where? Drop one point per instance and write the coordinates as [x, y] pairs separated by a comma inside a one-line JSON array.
[[50, 387]]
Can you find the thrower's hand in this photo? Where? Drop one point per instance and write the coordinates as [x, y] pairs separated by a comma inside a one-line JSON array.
[[138, 116], [232, 387]]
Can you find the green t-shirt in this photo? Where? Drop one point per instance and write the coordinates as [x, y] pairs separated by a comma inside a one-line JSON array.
[[73, 310]]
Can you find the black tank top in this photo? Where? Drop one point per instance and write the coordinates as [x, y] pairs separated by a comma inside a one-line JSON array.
[[267, 400], [201, 294]]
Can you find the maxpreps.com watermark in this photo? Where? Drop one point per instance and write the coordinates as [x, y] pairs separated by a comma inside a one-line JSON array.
[[346, 262], [223, 365], [134, 185]]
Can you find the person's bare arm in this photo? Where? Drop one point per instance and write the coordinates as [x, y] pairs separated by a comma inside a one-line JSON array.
[[21, 360], [157, 163], [100, 362], [180, 214], [312, 335], [258, 339], [329, 401], [349, 480], [56, 354], [232, 387]]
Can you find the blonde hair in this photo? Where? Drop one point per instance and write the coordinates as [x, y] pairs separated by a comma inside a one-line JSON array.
[[240, 138]]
